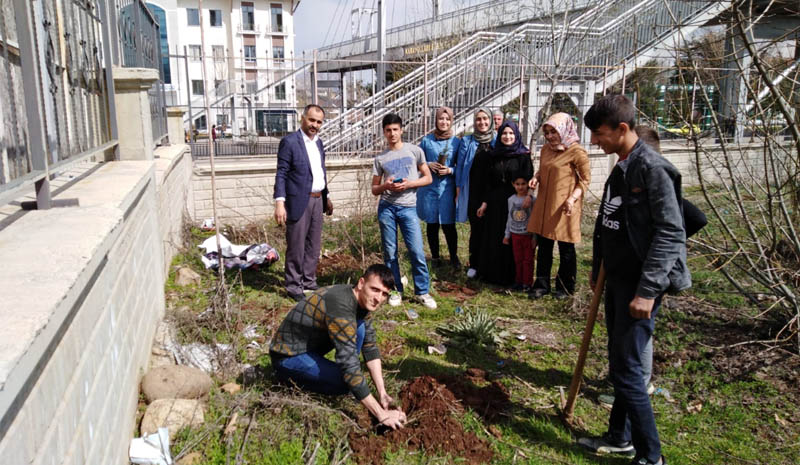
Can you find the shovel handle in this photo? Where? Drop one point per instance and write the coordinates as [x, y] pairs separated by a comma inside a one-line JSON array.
[[569, 406]]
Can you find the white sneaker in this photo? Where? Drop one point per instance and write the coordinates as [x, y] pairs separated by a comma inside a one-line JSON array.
[[471, 273], [395, 299], [426, 300]]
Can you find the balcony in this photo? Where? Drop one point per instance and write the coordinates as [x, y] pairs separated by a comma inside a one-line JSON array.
[[248, 28]]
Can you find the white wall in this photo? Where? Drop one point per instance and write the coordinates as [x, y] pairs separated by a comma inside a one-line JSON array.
[[83, 291], [245, 186]]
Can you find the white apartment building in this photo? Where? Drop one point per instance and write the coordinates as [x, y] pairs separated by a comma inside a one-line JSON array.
[[249, 50]]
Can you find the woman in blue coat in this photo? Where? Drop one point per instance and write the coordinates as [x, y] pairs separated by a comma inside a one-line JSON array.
[[436, 202], [472, 157]]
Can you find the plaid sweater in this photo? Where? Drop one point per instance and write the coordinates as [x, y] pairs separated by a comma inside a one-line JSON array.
[[325, 320]]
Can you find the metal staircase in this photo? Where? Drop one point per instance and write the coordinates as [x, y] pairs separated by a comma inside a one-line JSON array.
[[490, 69]]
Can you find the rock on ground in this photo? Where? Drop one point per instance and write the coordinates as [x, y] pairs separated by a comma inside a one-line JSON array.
[[186, 276], [231, 388], [174, 414], [161, 353], [176, 382]]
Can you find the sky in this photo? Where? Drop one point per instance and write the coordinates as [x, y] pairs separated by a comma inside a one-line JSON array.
[[323, 22]]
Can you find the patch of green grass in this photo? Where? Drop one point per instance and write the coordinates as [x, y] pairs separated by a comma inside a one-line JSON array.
[[736, 424]]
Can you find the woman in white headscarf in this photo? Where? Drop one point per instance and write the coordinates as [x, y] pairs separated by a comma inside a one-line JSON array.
[[563, 177]]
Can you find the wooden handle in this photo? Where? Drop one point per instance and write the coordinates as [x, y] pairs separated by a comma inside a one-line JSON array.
[[575, 386]]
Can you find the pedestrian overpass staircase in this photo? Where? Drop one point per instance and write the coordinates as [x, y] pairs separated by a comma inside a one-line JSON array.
[[489, 69]]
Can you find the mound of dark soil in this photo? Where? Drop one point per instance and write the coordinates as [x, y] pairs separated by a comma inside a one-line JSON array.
[[431, 406]]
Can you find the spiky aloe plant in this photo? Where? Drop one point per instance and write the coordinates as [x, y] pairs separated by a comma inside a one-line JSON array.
[[475, 327]]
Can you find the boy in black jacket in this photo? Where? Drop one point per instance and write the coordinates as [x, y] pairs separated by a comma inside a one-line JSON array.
[[640, 241]]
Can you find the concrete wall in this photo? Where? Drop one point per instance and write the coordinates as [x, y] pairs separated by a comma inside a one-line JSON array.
[[83, 291], [245, 186], [173, 169]]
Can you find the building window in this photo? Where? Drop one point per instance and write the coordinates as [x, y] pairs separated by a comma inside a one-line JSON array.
[[192, 17], [215, 18], [250, 53], [194, 52], [277, 17], [277, 53], [197, 87], [219, 52], [161, 17], [222, 119], [280, 91], [200, 123], [248, 17]]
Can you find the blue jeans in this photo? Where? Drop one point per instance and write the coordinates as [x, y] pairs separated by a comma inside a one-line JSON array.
[[391, 216], [311, 371], [632, 416]]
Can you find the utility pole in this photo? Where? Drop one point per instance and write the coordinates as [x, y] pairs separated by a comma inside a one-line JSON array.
[[381, 69]]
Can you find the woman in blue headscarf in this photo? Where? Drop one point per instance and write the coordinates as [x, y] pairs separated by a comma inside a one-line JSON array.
[[510, 159], [472, 159], [436, 202]]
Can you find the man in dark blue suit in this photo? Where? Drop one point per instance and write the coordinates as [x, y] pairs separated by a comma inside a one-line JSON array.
[[301, 196]]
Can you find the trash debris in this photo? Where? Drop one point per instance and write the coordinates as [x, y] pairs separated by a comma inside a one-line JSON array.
[[152, 449], [412, 314], [694, 406], [663, 393], [250, 332], [240, 256], [437, 349], [459, 311], [208, 224], [208, 358], [521, 337], [501, 363], [404, 281]]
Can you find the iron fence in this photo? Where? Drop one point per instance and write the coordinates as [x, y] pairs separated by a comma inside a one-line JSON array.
[[139, 39], [224, 148], [57, 104]]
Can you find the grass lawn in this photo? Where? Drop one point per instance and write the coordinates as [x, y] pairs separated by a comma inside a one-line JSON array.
[[722, 400]]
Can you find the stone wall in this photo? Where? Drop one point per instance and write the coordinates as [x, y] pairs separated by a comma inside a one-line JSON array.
[[83, 291], [173, 165], [245, 186]]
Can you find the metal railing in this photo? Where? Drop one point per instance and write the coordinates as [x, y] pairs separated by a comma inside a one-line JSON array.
[[140, 40], [486, 16], [225, 148], [57, 91], [489, 65]]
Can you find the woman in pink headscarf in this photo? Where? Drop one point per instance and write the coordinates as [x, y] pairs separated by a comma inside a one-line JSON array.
[[563, 177]]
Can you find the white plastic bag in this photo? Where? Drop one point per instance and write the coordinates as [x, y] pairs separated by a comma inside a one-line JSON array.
[[152, 449]]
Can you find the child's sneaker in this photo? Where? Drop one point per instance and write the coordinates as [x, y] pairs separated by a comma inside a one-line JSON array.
[[605, 445], [395, 299], [426, 300]]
